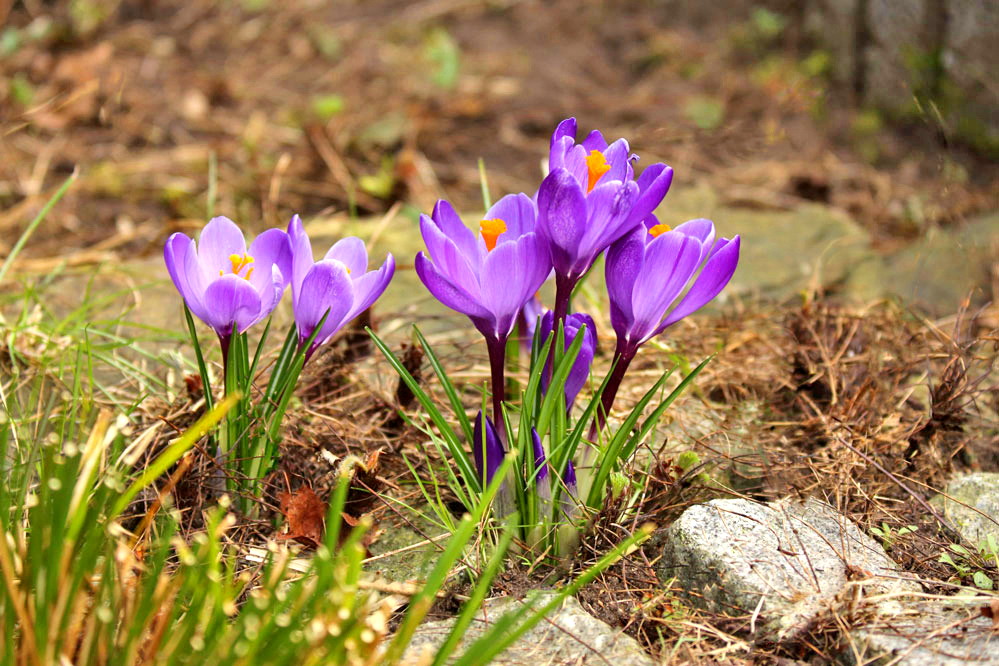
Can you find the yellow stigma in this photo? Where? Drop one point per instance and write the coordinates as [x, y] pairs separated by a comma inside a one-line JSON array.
[[491, 230], [239, 262], [597, 166], [659, 230]]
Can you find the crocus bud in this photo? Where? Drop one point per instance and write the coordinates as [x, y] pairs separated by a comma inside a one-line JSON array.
[[486, 448], [541, 479], [580, 371]]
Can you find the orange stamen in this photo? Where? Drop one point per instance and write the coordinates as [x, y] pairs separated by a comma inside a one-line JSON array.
[[491, 230], [239, 262], [659, 230], [597, 166]]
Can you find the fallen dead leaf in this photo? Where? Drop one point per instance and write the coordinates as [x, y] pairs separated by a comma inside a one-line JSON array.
[[306, 515]]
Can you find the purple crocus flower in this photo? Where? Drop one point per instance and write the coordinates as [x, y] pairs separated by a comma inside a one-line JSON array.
[[339, 283], [488, 276], [580, 371], [589, 200], [487, 449], [647, 272], [225, 285]]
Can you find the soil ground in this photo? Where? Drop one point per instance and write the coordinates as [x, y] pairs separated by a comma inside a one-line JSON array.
[[314, 108], [360, 108]]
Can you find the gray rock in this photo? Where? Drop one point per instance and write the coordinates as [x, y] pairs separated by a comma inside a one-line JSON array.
[[401, 554], [927, 633], [784, 252], [944, 267], [569, 635], [783, 562], [971, 496], [724, 438]]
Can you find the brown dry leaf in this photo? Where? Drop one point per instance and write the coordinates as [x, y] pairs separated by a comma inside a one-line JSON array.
[[991, 611], [306, 515]]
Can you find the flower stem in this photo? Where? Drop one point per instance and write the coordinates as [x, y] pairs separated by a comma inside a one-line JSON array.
[[224, 341], [623, 356], [563, 294], [497, 366]]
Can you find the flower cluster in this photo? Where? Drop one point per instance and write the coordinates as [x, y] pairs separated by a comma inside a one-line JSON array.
[[231, 287], [590, 203]]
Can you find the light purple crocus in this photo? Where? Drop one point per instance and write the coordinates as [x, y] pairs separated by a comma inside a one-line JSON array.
[[488, 275], [224, 284], [339, 284], [589, 200], [647, 273], [580, 370], [487, 449]]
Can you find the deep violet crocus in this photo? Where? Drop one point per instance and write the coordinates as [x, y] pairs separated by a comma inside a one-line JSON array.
[[589, 200], [488, 275], [580, 370], [647, 272], [224, 284], [487, 450], [339, 284]]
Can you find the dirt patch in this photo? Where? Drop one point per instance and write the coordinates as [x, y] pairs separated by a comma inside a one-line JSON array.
[[275, 108]]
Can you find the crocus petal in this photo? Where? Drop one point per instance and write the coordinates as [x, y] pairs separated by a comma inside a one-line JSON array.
[[219, 240], [326, 287], [370, 286], [561, 217], [535, 264], [670, 262], [704, 231], [594, 141], [449, 259], [500, 292], [271, 248], [624, 261], [519, 213], [180, 255], [301, 254], [713, 278], [616, 155], [608, 206], [231, 301], [580, 371], [575, 163], [560, 153], [350, 252], [487, 443], [569, 478], [566, 128], [448, 293], [653, 185], [539, 457], [701, 229], [447, 220]]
